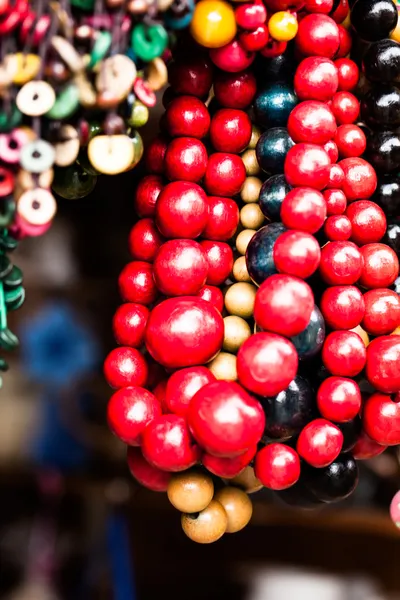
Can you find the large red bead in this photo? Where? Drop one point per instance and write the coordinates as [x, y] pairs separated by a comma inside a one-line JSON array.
[[230, 130], [168, 445], [228, 467], [339, 399], [186, 159], [183, 385], [283, 305], [225, 174], [344, 353], [348, 73], [320, 443], [345, 107], [382, 311], [277, 466], [235, 90], [147, 192], [125, 366], [341, 263], [266, 364], [350, 140], [154, 155], [342, 307], [368, 222], [232, 57], [182, 210], [366, 448], [223, 218], [129, 411], [381, 266], [225, 420], [381, 420], [303, 208], [296, 253], [136, 283], [250, 16], [180, 268], [312, 122], [213, 295], [184, 331], [383, 360], [316, 78], [346, 42], [360, 179], [148, 476], [191, 75], [336, 202], [129, 324], [187, 116], [318, 35], [219, 257], [306, 165], [144, 240]]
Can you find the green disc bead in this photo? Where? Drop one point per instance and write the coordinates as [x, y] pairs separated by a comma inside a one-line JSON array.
[[100, 48], [139, 116], [13, 279], [9, 121], [73, 182], [148, 42], [83, 4], [13, 297], [84, 162], [66, 104], [18, 302], [5, 266], [7, 211], [8, 340]]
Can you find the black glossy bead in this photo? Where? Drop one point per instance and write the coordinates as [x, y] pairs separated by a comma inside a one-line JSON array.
[[260, 252], [387, 195], [299, 496], [374, 20], [273, 104], [277, 68], [383, 151], [272, 148], [396, 286], [351, 431], [382, 62], [272, 194], [289, 411], [392, 236], [381, 107], [310, 341], [73, 182], [335, 482]]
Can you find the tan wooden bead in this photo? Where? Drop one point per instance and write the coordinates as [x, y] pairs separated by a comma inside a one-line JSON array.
[[243, 240], [157, 74], [207, 526], [250, 191], [247, 481], [240, 298], [255, 136], [239, 271], [190, 491], [362, 333], [223, 367], [250, 162], [237, 506], [237, 331], [251, 216]]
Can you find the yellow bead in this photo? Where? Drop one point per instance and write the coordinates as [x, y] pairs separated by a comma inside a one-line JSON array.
[[213, 24], [24, 67], [395, 35], [283, 26]]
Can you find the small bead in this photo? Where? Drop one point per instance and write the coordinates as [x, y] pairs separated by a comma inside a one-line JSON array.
[[339, 399], [129, 324], [344, 353], [213, 23], [343, 307], [251, 216], [223, 367], [320, 443], [240, 299], [237, 331], [239, 271], [129, 411], [190, 492], [136, 283], [382, 311], [237, 506], [208, 526], [277, 466], [243, 240], [125, 366]]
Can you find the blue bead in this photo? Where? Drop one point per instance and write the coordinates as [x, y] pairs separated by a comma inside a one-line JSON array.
[[174, 21], [277, 68], [309, 342], [272, 194], [273, 105], [272, 148], [260, 252]]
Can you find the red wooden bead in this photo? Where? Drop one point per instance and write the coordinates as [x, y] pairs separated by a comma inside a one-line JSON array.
[[154, 155], [383, 360], [230, 130], [332, 151], [339, 399], [250, 16], [187, 116], [191, 75], [312, 122], [182, 210], [381, 420], [344, 353], [273, 48], [183, 385], [336, 202], [320, 443], [129, 411], [345, 107], [180, 268], [168, 445], [341, 263], [148, 476], [136, 283], [223, 218], [368, 222], [235, 90], [276, 5], [213, 295], [345, 42], [348, 73], [350, 140], [366, 448], [316, 78], [228, 467], [343, 307], [381, 266], [360, 179], [304, 209], [225, 174], [144, 240], [225, 420], [382, 311], [186, 160], [159, 392], [283, 305], [266, 364], [306, 165], [156, 372], [297, 253], [341, 11], [277, 466], [219, 257], [129, 324], [147, 192], [336, 177], [232, 57], [254, 40], [125, 366], [318, 6], [337, 228], [173, 326], [318, 35]]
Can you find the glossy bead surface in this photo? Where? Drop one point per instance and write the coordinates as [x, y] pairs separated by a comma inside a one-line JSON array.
[[296, 253], [345, 107], [343, 306], [382, 311], [304, 209], [365, 448], [382, 368], [387, 195], [187, 116], [255, 40], [309, 342], [125, 366], [339, 399], [237, 331], [311, 122], [273, 104], [181, 210], [380, 268], [360, 179], [374, 20], [277, 466], [232, 58], [318, 35], [348, 73], [223, 218], [228, 467], [154, 155], [208, 526], [185, 160], [272, 194], [150, 477], [230, 130], [213, 24], [341, 263], [129, 324], [320, 443], [344, 353], [306, 166], [219, 257], [240, 298], [336, 202], [129, 411], [213, 295], [337, 228], [136, 283], [235, 90], [381, 419], [191, 75], [381, 62], [180, 268], [316, 78], [237, 506], [380, 107], [146, 195], [144, 240], [350, 140], [259, 254], [225, 174], [272, 148], [334, 482], [191, 491], [368, 222]]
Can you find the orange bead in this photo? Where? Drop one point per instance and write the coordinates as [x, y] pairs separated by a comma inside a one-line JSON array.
[[213, 24]]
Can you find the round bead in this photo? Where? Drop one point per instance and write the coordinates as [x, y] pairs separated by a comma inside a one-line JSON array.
[[283, 26], [337, 228], [144, 240], [181, 210], [237, 506], [311, 122], [228, 467], [309, 342], [348, 73], [183, 385], [304, 209], [251, 216], [381, 266], [243, 240], [382, 368], [320, 443], [111, 154], [219, 257], [154, 156], [368, 222], [191, 75], [345, 107], [180, 268], [254, 40], [230, 130], [272, 148], [387, 195], [316, 78], [332, 151], [172, 326], [146, 195], [382, 61], [250, 161], [37, 156], [306, 165], [343, 307], [129, 411], [336, 176], [237, 331], [374, 20], [148, 476], [190, 492], [336, 202], [271, 196], [225, 174], [344, 353], [213, 295], [208, 526], [235, 90], [341, 263], [213, 24], [360, 179], [339, 399], [129, 324], [223, 367], [223, 218], [136, 283], [273, 104], [239, 271], [383, 151], [186, 160], [37, 207], [381, 107], [366, 448], [318, 35], [381, 419], [249, 16], [350, 140], [125, 366], [240, 298], [187, 116], [259, 254], [334, 482], [382, 311], [277, 466], [232, 58]]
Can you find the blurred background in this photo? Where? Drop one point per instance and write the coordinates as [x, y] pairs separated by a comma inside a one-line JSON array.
[[73, 523]]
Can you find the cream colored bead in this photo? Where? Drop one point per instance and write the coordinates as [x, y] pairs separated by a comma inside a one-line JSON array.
[[157, 74], [250, 162], [251, 216], [111, 154], [239, 271], [240, 298], [224, 367], [250, 191], [237, 331], [243, 240]]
